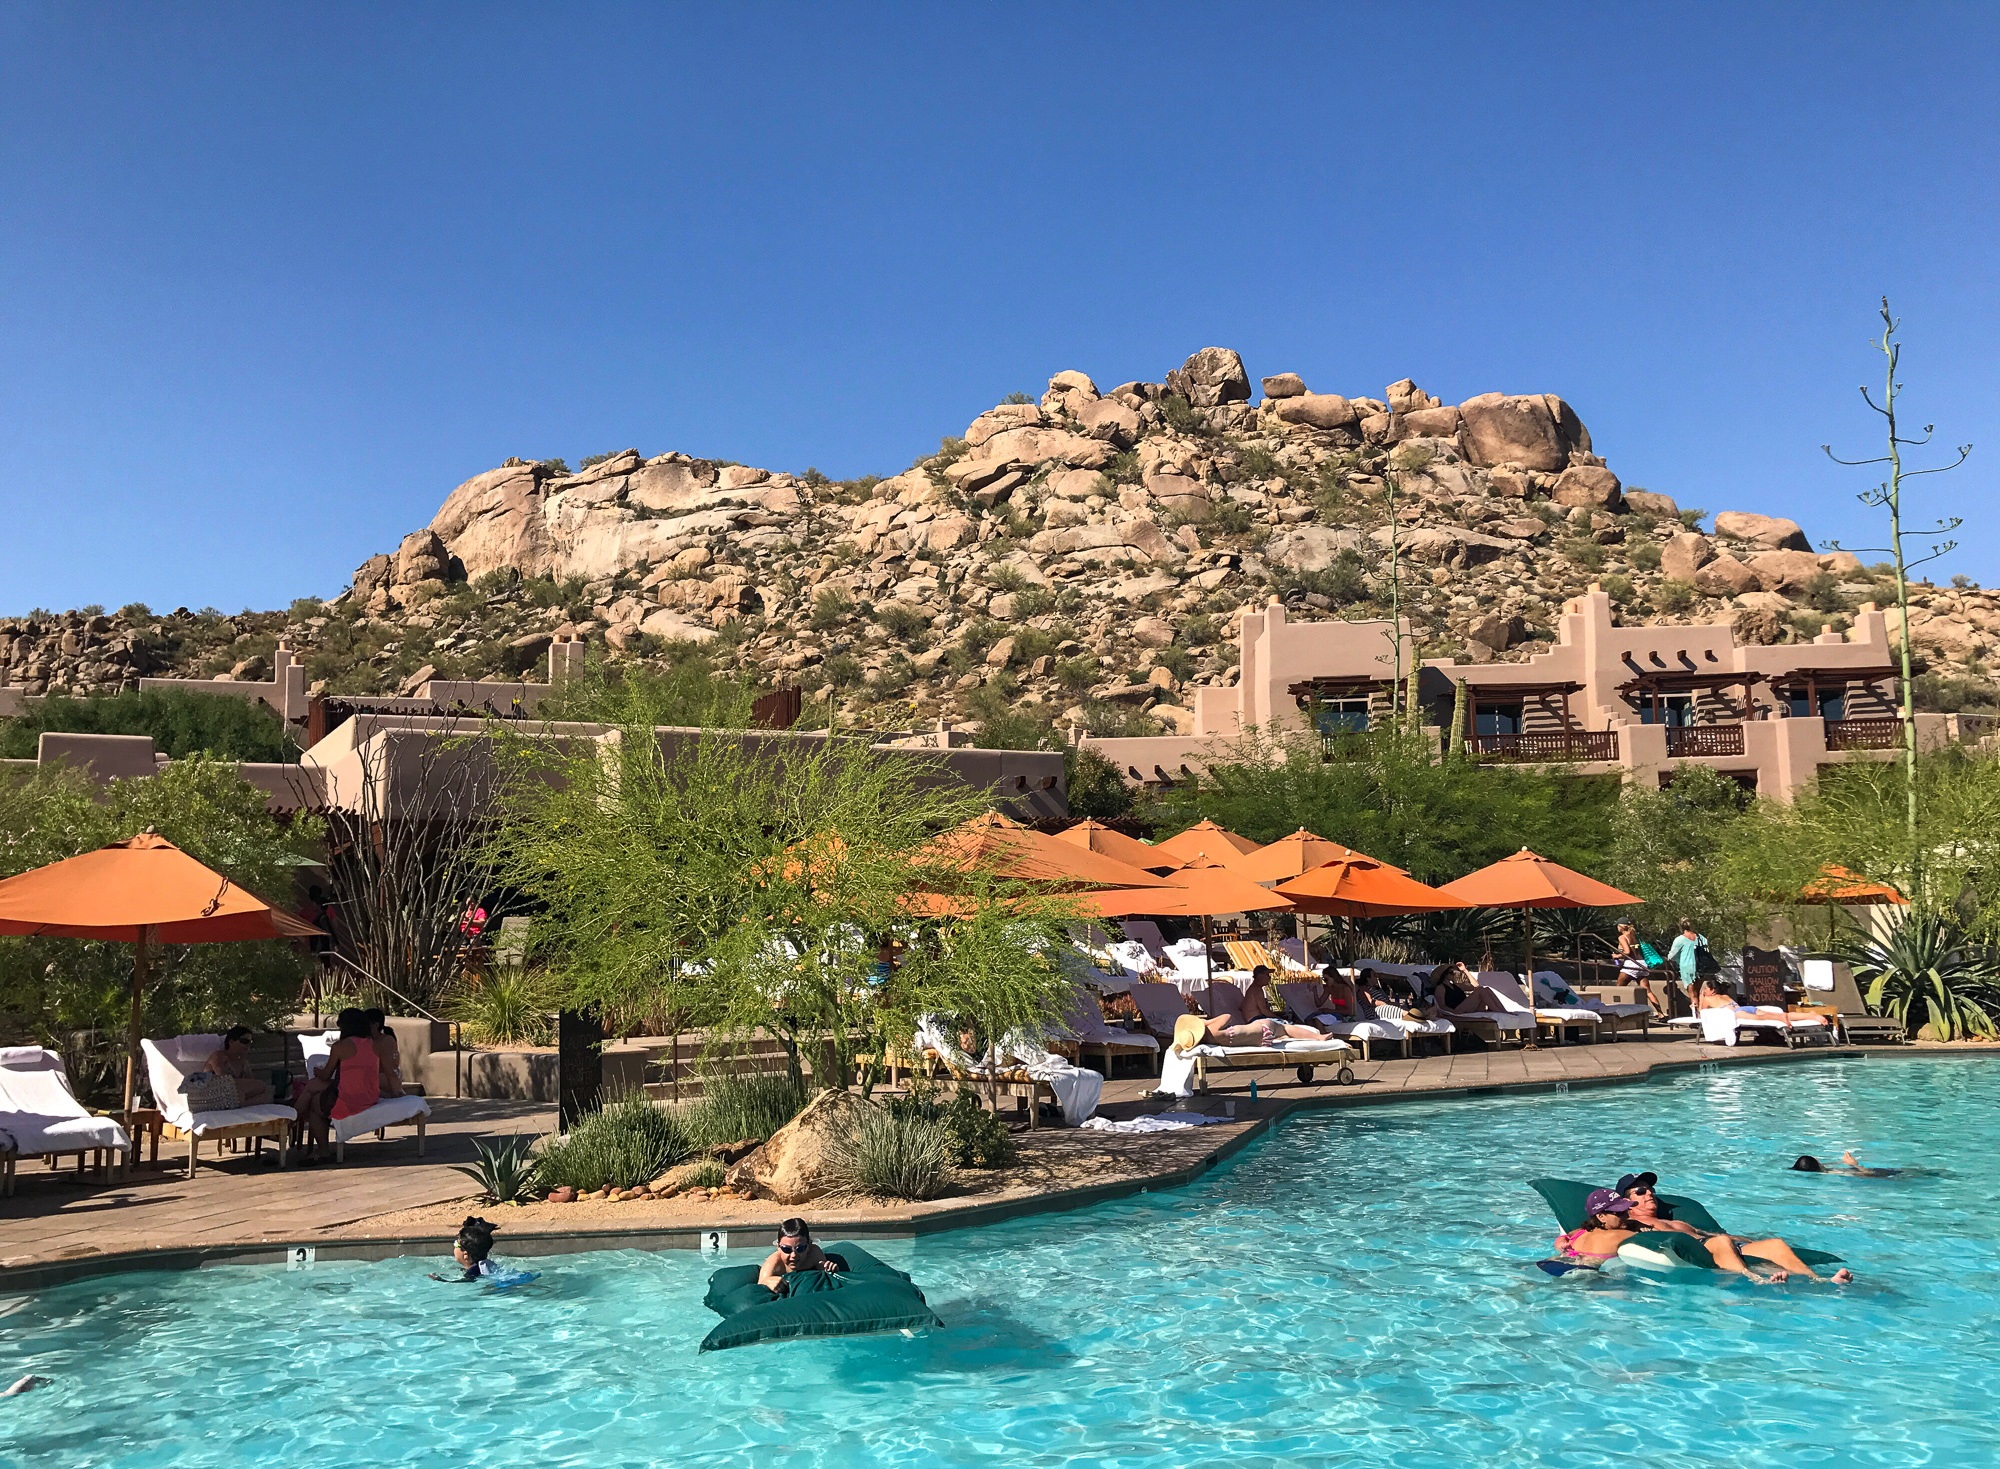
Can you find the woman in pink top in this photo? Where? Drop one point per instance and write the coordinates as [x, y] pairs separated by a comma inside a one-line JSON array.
[[349, 1082]]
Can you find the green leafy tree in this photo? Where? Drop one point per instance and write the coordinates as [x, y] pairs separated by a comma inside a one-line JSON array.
[[53, 990], [1387, 794], [181, 724], [1665, 845]]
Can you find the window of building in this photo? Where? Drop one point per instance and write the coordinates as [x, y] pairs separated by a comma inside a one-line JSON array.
[[1340, 716], [1832, 703], [1497, 719], [1675, 709]]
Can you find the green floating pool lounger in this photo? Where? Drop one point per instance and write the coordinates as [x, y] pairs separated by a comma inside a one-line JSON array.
[[867, 1296], [1659, 1247]]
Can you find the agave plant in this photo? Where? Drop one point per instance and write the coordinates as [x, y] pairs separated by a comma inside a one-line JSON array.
[[1925, 971], [1466, 933], [505, 1170]]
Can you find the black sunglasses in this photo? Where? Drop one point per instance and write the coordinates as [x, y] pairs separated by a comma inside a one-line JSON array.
[[789, 1249]]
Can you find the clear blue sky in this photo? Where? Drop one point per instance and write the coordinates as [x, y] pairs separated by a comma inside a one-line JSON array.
[[273, 279]]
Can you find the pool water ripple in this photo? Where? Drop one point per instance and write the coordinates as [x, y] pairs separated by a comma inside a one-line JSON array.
[[1356, 1289]]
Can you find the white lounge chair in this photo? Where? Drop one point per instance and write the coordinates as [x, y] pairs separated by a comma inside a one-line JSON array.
[[1086, 1028], [1559, 1020], [1160, 1007], [41, 1117], [1184, 1065], [390, 1112], [1552, 989], [1369, 1033], [936, 1045], [1721, 1027], [168, 1063]]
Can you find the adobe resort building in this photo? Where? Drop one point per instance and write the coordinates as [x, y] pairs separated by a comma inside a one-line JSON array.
[[1639, 701]]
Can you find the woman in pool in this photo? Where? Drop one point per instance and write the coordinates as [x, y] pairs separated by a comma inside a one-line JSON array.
[[471, 1250], [1727, 1250], [1606, 1226], [1849, 1164]]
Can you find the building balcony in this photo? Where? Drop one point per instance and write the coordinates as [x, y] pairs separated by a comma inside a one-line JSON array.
[[1546, 745], [1864, 734], [1703, 739]]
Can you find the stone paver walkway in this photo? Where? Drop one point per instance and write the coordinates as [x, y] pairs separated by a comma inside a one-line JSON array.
[[385, 1193]]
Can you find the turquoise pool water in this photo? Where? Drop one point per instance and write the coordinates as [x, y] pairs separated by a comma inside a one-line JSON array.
[[1355, 1290]]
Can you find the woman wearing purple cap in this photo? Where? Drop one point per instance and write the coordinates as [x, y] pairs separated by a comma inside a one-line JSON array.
[[1605, 1228]]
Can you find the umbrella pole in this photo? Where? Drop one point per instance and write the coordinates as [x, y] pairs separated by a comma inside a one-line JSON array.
[[132, 1025]]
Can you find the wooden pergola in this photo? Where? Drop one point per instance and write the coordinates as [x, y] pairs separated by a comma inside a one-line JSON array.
[[1653, 686], [1539, 693], [1812, 680]]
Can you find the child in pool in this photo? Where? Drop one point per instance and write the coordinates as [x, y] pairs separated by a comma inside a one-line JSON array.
[[471, 1249]]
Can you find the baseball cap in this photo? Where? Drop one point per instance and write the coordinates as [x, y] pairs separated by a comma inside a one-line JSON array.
[[1605, 1201], [1632, 1180]]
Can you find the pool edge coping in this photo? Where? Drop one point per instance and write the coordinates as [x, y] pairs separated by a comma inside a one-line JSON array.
[[28, 1278]]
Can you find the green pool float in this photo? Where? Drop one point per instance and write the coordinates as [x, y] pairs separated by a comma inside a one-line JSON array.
[[1655, 1249], [867, 1296]]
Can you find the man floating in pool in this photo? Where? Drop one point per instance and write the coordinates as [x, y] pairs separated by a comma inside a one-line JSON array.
[[1727, 1250]]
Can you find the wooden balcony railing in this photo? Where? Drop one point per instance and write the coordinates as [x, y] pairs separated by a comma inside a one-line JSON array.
[[1548, 744], [1864, 734], [1704, 739]]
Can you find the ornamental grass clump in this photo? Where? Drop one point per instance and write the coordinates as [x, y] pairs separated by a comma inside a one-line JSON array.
[[733, 1107], [894, 1154], [629, 1143]]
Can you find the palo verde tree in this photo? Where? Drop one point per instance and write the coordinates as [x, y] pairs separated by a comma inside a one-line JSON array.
[[746, 883], [1888, 495]]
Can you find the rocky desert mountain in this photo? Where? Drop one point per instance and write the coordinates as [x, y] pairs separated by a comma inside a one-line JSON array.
[[1079, 558]]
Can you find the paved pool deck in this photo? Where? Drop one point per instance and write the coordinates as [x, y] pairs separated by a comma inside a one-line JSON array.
[[385, 1201]]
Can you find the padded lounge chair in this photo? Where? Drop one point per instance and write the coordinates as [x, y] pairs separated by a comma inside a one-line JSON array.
[[1720, 1027], [167, 1064], [1085, 1028], [404, 1111], [1367, 1033], [1856, 1026], [41, 1117], [1619, 1015], [1160, 1007], [1557, 1020], [1187, 1062], [937, 1047]]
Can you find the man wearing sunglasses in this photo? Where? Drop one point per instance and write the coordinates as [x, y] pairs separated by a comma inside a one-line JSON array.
[[1728, 1251], [796, 1254]]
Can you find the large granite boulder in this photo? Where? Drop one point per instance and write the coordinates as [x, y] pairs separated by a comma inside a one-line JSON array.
[[1772, 532], [801, 1160], [493, 522], [1536, 431], [1315, 410], [1213, 376]]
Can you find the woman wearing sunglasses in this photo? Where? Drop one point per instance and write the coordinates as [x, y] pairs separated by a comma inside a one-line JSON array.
[[796, 1254]]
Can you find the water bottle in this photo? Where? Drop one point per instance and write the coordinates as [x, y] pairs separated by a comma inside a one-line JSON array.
[[1253, 1088]]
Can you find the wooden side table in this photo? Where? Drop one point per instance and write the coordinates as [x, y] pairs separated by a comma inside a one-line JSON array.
[[151, 1122]]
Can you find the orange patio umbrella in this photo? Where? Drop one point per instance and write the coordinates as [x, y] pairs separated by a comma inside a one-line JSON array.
[[1201, 888], [992, 843], [1526, 881], [1354, 885], [1204, 836], [142, 892], [1287, 857], [1095, 836], [1837, 887]]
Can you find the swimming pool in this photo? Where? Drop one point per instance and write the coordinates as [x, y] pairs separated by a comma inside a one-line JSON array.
[[1355, 1289]]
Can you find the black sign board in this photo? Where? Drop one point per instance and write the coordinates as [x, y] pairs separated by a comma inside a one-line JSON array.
[[1765, 976]]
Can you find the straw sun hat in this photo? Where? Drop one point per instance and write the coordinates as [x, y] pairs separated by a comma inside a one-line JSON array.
[[1189, 1032]]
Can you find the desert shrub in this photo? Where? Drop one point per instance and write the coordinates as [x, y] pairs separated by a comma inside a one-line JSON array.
[[628, 1143], [1822, 593], [1033, 602], [1587, 554], [1674, 595], [843, 670], [1177, 660], [503, 1009], [1007, 579], [506, 1169], [830, 609], [708, 1173], [894, 1153], [1096, 787], [1644, 555], [1259, 462], [1181, 417], [903, 622], [182, 723], [1017, 398], [1620, 590], [557, 466], [734, 1107]]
